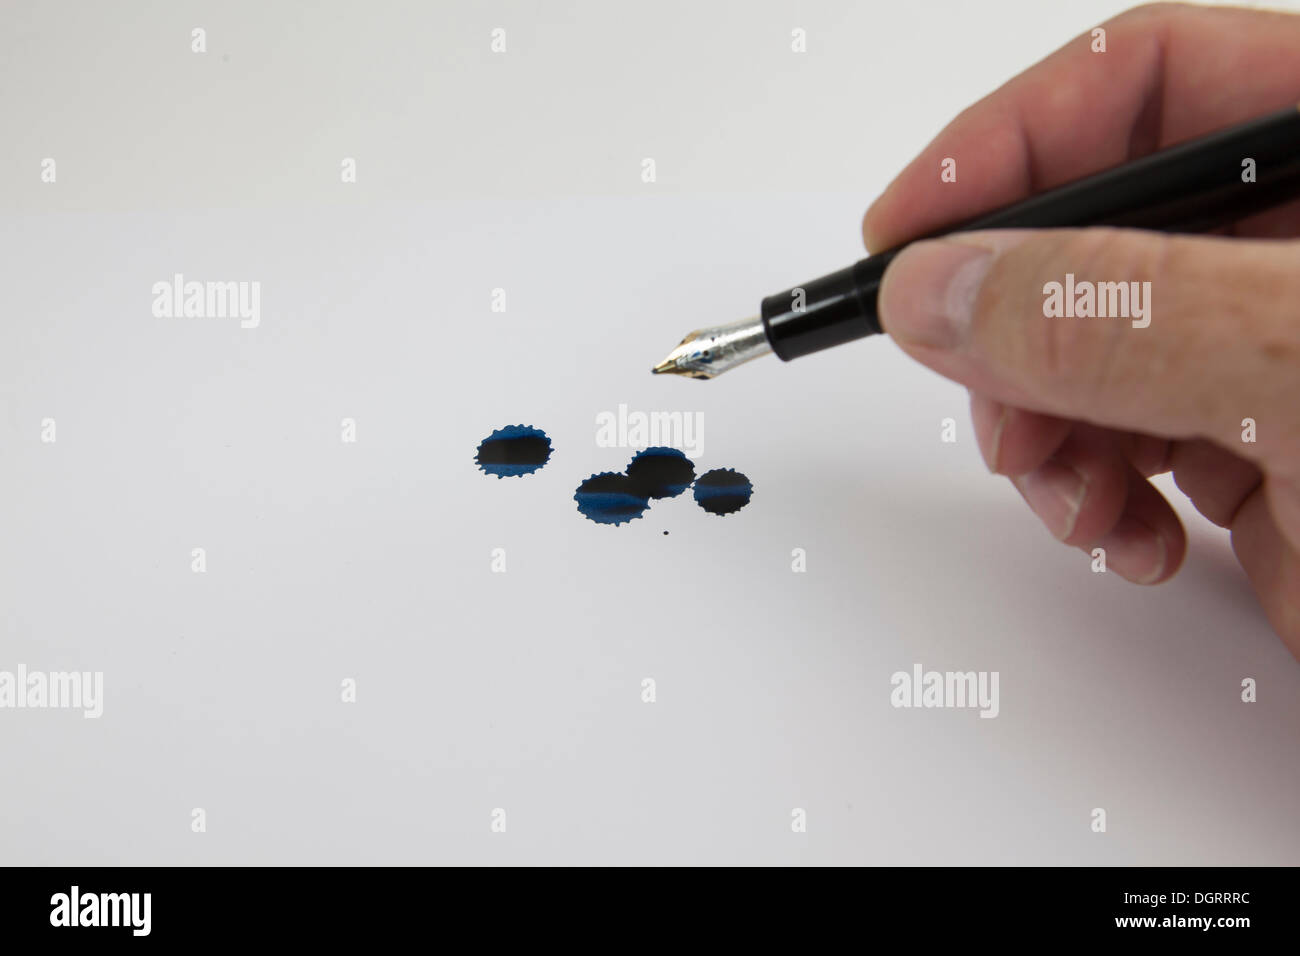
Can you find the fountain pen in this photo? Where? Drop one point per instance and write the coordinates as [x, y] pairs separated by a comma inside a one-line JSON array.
[[1188, 187]]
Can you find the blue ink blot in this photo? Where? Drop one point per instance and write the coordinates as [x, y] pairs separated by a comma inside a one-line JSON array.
[[722, 491], [513, 451], [610, 498], [661, 472]]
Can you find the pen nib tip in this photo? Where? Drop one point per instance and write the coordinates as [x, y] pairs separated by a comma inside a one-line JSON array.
[[707, 353]]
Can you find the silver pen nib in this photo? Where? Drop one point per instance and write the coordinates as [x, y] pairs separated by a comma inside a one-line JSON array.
[[707, 353]]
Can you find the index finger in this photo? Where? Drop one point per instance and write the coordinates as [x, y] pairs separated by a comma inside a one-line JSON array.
[[1169, 73]]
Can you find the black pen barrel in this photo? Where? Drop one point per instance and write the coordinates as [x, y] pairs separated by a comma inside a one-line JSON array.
[[1189, 187]]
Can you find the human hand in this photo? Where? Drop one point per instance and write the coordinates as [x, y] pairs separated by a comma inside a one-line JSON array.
[[1080, 412]]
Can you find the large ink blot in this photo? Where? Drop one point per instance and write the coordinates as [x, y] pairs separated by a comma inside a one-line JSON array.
[[611, 498], [661, 472], [513, 451], [722, 491]]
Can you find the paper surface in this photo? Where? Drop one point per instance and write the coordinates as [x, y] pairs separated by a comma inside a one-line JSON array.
[[523, 690]]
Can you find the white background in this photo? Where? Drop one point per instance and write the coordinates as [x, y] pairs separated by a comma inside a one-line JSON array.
[[371, 561]]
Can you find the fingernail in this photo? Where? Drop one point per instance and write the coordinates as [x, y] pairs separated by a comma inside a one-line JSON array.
[[1055, 492], [1135, 551], [989, 418], [929, 290]]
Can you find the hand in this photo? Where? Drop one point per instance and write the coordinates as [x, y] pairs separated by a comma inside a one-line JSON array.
[[1079, 412]]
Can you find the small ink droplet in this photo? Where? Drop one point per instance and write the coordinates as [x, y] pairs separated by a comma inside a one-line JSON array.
[[723, 491], [610, 498], [513, 451]]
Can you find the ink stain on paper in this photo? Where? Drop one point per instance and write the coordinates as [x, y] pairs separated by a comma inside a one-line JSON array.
[[611, 498], [513, 450], [661, 472], [654, 474], [723, 491]]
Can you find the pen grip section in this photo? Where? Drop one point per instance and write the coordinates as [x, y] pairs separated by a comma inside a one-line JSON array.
[[828, 311]]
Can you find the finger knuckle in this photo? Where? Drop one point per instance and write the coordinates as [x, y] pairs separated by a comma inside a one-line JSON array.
[[1077, 352]]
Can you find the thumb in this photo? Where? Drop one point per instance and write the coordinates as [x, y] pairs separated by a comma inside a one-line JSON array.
[[1207, 333]]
